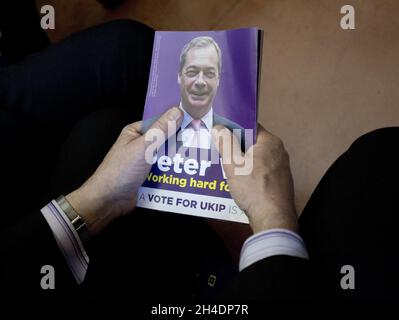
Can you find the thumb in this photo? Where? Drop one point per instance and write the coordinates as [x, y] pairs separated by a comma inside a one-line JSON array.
[[164, 127], [228, 146]]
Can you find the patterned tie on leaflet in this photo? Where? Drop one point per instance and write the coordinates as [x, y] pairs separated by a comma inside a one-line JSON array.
[[196, 125]]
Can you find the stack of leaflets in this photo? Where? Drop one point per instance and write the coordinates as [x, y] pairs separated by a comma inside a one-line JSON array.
[[213, 77]]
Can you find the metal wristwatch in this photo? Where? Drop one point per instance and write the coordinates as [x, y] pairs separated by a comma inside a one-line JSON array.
[[75, 219]]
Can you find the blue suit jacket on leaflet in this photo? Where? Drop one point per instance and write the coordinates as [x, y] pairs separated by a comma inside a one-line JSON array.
[[217, 119]]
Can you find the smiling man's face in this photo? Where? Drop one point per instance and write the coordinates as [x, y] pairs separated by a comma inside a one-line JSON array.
[[199, 80]]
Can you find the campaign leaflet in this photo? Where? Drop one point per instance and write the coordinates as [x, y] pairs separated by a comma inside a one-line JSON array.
[[213, 77]]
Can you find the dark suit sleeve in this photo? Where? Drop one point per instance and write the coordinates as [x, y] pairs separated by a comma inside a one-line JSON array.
[[274, 278], [25, 247]]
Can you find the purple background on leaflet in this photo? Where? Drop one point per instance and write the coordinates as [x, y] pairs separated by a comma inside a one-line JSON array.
[[236, 96], [212, 173]]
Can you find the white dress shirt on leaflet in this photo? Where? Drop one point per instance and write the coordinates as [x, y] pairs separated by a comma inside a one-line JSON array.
[[193, 137]]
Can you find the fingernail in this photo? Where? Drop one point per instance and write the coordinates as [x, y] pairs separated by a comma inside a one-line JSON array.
[[174, 114]]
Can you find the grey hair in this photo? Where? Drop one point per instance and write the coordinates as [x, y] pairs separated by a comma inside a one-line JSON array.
[[200, 42]]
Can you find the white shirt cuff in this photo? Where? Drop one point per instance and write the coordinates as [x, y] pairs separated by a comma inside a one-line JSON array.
[[67, 239], [271, 243]]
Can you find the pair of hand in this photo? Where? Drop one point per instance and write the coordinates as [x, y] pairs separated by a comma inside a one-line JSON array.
[[266, 195]]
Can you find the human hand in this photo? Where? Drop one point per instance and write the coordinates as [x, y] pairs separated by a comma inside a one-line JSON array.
[[266, 194], [112, 190]]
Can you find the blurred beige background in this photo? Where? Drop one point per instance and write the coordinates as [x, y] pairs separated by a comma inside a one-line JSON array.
[[321, 86]]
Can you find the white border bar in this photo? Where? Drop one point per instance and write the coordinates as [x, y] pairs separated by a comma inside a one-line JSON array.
[[190, 204]]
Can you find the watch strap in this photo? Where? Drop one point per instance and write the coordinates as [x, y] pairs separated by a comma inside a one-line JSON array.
[[76, 220]]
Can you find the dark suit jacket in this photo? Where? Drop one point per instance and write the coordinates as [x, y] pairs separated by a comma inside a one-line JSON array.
[[29, 244], [274, 278], [25, 246]]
